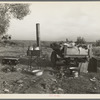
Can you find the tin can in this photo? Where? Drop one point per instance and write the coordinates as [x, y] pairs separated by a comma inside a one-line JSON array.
[[75, 73]]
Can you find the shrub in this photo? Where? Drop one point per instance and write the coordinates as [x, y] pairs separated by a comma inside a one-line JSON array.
[[97, 43], [80, 40]]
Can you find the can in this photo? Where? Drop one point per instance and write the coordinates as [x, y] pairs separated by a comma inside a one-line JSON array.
[[75, 73]]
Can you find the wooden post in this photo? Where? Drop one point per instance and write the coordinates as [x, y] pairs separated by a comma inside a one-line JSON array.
[[38, 34], [65, 50], [90, 51]]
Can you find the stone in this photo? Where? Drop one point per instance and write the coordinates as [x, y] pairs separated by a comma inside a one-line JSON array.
[[20, 81], [6, 90]]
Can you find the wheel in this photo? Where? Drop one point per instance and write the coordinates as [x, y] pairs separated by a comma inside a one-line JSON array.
[[53, 59]]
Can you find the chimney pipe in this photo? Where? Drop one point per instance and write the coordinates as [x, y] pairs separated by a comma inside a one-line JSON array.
[[38, 34]]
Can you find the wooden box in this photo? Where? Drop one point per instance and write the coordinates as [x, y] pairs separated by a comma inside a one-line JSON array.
[[10, 61]]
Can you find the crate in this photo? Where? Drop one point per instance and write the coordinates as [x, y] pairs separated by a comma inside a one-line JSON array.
[[10, 61]]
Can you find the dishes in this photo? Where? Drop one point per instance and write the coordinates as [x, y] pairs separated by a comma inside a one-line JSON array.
[[37, 72]]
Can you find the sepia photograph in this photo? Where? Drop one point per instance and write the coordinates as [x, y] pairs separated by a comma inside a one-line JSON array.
[[50, 48]]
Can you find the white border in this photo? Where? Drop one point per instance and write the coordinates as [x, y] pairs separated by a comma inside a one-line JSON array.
[[48, 96]]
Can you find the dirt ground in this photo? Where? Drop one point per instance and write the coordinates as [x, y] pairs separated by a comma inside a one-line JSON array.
[[19, 81]]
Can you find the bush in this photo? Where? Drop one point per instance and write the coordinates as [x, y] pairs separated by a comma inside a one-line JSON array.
[[97, 43], [80, 40]]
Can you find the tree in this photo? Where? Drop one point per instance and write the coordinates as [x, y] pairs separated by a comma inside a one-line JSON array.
[[97, 43], [8, 11], [80, 40], [67, 40]]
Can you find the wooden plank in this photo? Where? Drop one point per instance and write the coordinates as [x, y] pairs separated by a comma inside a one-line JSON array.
[[76, 56], [83, 67]]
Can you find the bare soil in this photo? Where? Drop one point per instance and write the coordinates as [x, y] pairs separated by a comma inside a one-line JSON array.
[[20, 82]]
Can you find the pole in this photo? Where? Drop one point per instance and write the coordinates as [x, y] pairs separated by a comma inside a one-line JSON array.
[[38, 34]]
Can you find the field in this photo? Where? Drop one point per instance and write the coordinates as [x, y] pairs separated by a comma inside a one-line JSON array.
[[18, 81]]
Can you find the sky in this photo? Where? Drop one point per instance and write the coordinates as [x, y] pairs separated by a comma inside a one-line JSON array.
[[58, 21]]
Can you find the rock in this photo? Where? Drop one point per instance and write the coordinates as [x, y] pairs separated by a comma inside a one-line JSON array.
[[54, 91], [8, 70], [59, 89], [93, 79], [95, 88], [21, 85], [19, 69], [6, 90], [54, 80], [33, 81], [20, 81]]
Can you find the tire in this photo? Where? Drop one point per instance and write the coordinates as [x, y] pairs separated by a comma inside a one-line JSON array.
[[53, 59]]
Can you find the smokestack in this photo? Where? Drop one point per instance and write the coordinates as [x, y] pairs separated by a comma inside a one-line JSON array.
[[38, 34]]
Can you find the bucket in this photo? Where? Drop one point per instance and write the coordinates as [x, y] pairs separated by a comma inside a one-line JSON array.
[[31, 48], [75, 73]]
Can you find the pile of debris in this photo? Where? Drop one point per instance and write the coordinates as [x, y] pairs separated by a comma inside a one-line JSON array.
[[38, 82]]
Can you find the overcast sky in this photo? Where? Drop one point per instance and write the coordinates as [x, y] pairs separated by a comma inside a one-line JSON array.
[[58, 21]]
